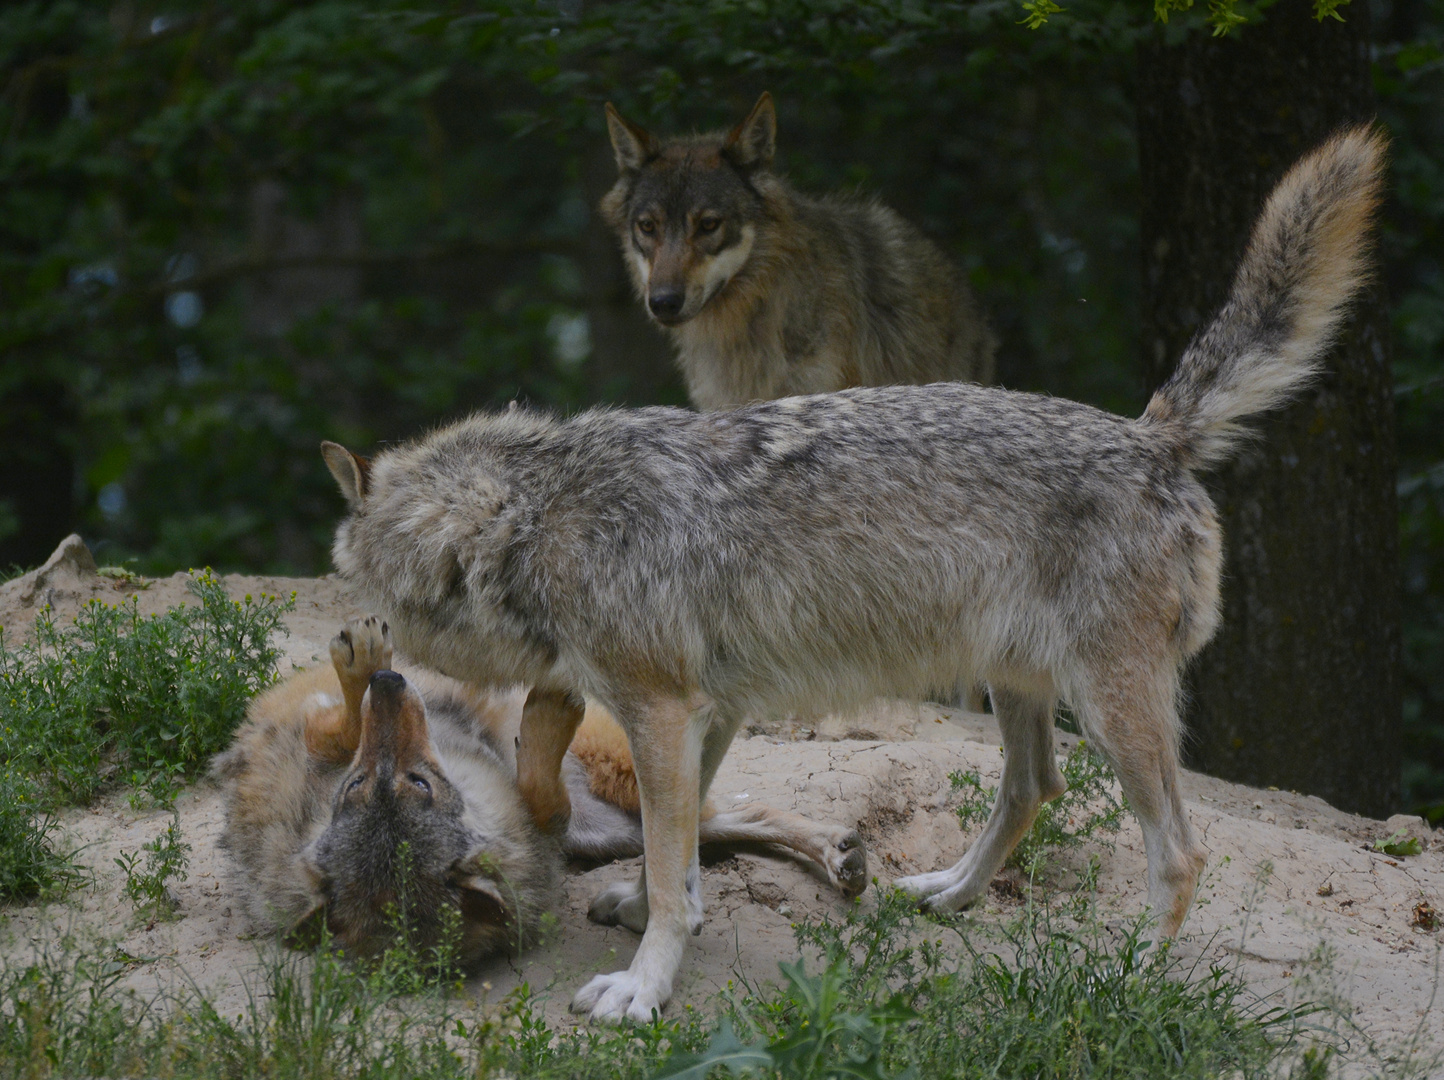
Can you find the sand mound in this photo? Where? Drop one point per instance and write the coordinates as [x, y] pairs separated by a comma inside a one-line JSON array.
[[1287, 873]]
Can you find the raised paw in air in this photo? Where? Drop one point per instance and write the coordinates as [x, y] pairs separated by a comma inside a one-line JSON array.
[[362, 648]]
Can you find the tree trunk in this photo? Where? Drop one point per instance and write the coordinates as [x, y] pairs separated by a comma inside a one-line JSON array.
[[37, 424], [1300, 688]]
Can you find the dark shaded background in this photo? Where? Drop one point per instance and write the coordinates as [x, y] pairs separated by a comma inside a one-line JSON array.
[[231, 230]]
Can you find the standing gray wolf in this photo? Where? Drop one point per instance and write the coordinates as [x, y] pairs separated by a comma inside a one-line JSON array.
[[688, 570], [768, 293], [336, 768]]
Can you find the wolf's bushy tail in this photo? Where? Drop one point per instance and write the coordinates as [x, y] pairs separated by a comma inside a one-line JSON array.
[[1308, 257]]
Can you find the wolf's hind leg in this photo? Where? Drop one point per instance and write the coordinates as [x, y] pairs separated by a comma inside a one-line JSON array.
[[1130, 717], [835, 848], [1030, 778], [362, 648], [548, 721]]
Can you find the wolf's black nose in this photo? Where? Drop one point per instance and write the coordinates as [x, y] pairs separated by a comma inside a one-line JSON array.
[[666, 303], [387, 680]]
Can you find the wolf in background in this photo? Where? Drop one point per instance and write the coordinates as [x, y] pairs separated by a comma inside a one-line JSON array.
[[337, 767], [767, 293], [688, 570]]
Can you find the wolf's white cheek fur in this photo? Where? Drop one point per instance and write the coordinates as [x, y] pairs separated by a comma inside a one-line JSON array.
[[721, 269], [644, 268]]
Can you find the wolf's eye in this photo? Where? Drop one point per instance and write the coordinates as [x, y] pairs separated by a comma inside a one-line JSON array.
[[709, 224], [420, 782], [647, 225], [356, 782]]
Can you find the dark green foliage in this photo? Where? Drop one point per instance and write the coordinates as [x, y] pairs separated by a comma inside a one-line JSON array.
[[121, 695], [29, 863], [1088, 807], [1409, 77]]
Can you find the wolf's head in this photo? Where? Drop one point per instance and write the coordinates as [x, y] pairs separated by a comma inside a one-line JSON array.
[[688, 210], [426, 544], [403, 847]]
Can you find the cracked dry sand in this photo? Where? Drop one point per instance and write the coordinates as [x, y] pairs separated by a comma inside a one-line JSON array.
[[1323, 887]]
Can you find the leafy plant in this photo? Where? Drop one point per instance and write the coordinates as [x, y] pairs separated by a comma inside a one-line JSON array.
[[1087, 808], [165, 860], [118, 694], [1399, 843], [823, 1040], [29, 863]]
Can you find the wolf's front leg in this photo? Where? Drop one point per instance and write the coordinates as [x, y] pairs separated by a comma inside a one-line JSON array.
[[667, 751]]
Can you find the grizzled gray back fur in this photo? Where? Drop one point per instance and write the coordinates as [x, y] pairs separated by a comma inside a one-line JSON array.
[[811, 553]]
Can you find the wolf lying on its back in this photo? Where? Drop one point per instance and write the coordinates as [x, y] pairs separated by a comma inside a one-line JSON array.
[[689, 570], [768, 293], [335, 768]]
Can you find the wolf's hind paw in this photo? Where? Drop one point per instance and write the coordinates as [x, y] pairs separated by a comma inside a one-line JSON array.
[[622, 904], [847, 864], [942, 893]]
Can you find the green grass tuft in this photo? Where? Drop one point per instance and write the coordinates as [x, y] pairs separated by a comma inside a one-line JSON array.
[[1053, 994], [118, 695]]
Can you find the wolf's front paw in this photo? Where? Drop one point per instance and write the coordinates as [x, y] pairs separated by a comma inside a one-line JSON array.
[[622, 996], [846, 862], [362, 648], [622, 904], [943, 892]]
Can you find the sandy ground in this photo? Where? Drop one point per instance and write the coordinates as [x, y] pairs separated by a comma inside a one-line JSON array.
[[1288, 875]]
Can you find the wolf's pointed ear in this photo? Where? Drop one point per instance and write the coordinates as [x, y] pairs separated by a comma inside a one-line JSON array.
[[632, 145], [352, 471], [752, 143], [482, 901]]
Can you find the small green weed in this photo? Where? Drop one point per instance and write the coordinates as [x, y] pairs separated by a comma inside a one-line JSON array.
[[165, 860], [123, 575], [120, 695], [407, 965], [821, 1038], [1086, 809], [1399, 844]]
